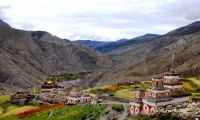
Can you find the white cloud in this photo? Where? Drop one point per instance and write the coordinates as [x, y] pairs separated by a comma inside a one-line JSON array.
[[2, 11], [100, 19]]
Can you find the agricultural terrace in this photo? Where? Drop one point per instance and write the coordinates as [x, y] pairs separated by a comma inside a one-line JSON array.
[[119, 91], [77, 112], [191, 85], [196, 81], [13, 110], [4, 98], [67, 77], [9, 109]]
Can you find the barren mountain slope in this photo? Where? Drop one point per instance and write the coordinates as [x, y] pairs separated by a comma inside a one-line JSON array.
[[26, 61], [173, 39], [187, 57]]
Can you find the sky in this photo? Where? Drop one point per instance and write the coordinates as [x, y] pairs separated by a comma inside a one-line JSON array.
[[103, 20]]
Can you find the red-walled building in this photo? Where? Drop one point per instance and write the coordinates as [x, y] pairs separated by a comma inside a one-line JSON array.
[[49, 86], [163, 94]]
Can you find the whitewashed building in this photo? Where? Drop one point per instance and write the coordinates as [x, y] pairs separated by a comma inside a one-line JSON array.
[[163, 94], [77, 97]]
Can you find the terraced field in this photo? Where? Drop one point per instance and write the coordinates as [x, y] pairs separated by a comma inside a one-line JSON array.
[[125, 93], [4, 98], [195, 80], [191, 84], [13, 110]]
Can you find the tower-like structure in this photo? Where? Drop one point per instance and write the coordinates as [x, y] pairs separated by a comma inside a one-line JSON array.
[[171, 81], [156, 97], [136, 105], [163, 94]]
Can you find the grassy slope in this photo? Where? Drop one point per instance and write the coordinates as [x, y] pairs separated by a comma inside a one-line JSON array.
[[191, 84], [13, 110], [4, 98], [125, 93], [195, 80], [77, 112]]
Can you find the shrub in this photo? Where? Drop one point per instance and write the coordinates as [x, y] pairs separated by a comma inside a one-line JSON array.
[[118, 107]]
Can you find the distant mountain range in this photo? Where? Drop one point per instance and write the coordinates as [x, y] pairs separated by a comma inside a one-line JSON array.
[[153, 57], [28, 57], [91, 43], [108, 48]]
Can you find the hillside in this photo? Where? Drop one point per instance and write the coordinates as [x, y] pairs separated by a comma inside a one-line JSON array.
[[91, 43], [173, 39], [4, 24], [45, 36], [26, 61], [153, 58]]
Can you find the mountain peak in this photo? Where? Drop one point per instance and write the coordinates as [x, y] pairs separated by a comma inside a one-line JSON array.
[[4, 24]]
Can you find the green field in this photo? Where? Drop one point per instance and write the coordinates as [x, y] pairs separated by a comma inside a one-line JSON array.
[[195, 81], [4, 98], [13, 110], [125, 93], [77, 112], [191, 85], [67, 77]]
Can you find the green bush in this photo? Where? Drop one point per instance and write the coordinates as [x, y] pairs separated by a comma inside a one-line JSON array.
[[118, 107]]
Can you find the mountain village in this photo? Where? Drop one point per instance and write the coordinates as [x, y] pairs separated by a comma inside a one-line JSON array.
[[163, 96], [132, 62]]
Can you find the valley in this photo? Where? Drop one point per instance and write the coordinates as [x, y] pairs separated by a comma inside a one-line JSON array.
[[44, 76]]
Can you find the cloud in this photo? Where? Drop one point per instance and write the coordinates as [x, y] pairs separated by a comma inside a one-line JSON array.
[[100, 19], [2, 12], [79, 36], [26, 25]]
